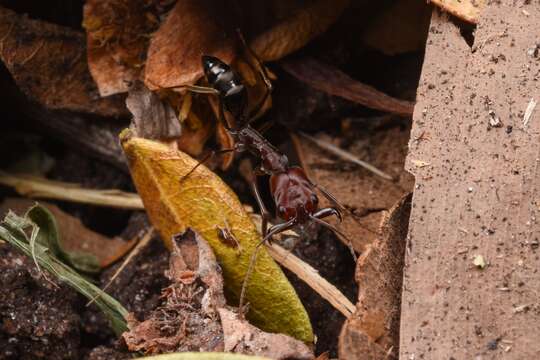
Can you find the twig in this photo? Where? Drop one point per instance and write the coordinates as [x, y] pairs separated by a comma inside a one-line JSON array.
[[528, 112], [312, 278], [137, 249], [347, 156], [36, 187]]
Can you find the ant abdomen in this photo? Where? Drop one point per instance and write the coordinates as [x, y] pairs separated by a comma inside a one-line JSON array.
[[228, 83]]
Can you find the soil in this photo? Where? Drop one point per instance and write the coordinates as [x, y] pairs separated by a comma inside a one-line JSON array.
[[37, 319]]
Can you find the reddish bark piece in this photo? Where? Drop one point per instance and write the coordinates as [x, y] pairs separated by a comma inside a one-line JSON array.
[[479, 193], [366, 193], [117, 39], [48, 63], [192, 28], [372, 332], [335, 82], [75, 236]]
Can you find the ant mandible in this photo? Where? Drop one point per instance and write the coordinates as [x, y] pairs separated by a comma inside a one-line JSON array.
[[293, 192]]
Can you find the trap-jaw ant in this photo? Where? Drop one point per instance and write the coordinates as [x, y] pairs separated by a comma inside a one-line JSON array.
[[294, 194]]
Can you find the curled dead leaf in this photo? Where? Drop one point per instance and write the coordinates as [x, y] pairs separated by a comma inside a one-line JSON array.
[[203, 202], [192, 28], [297, 30], [117, 38]]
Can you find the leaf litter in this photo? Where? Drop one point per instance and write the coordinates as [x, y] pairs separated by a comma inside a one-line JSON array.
[[194, 315]]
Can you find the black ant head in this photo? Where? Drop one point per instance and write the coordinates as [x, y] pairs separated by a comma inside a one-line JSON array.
[[294, 195]]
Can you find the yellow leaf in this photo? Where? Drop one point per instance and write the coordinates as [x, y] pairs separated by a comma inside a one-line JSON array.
[[205, 203], [299, 29]]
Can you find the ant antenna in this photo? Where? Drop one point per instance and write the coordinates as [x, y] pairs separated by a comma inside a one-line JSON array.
[[334, 229]]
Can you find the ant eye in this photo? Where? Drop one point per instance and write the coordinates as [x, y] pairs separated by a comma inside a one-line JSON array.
[[281, 211], [314, 199]]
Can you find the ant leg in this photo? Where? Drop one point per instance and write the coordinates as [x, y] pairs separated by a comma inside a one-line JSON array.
[[327, 212], [273, 230], [264, 211], [266, 216], [330, 197], [205, 159]]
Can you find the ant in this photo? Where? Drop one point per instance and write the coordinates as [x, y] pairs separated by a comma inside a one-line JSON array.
[[293, 192]]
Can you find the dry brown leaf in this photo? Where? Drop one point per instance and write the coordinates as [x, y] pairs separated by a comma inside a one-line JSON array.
[[117, 39], [152, 118], [401, 28], [192, 28], [242, 337], [364, 192], [75, 236], [335, 82], [468, 10], [296, 31], [48, 63], [374, 327], [187, 320]]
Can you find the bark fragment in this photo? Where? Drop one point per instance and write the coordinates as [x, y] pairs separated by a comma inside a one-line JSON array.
[[373, 330], [479, 194]]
